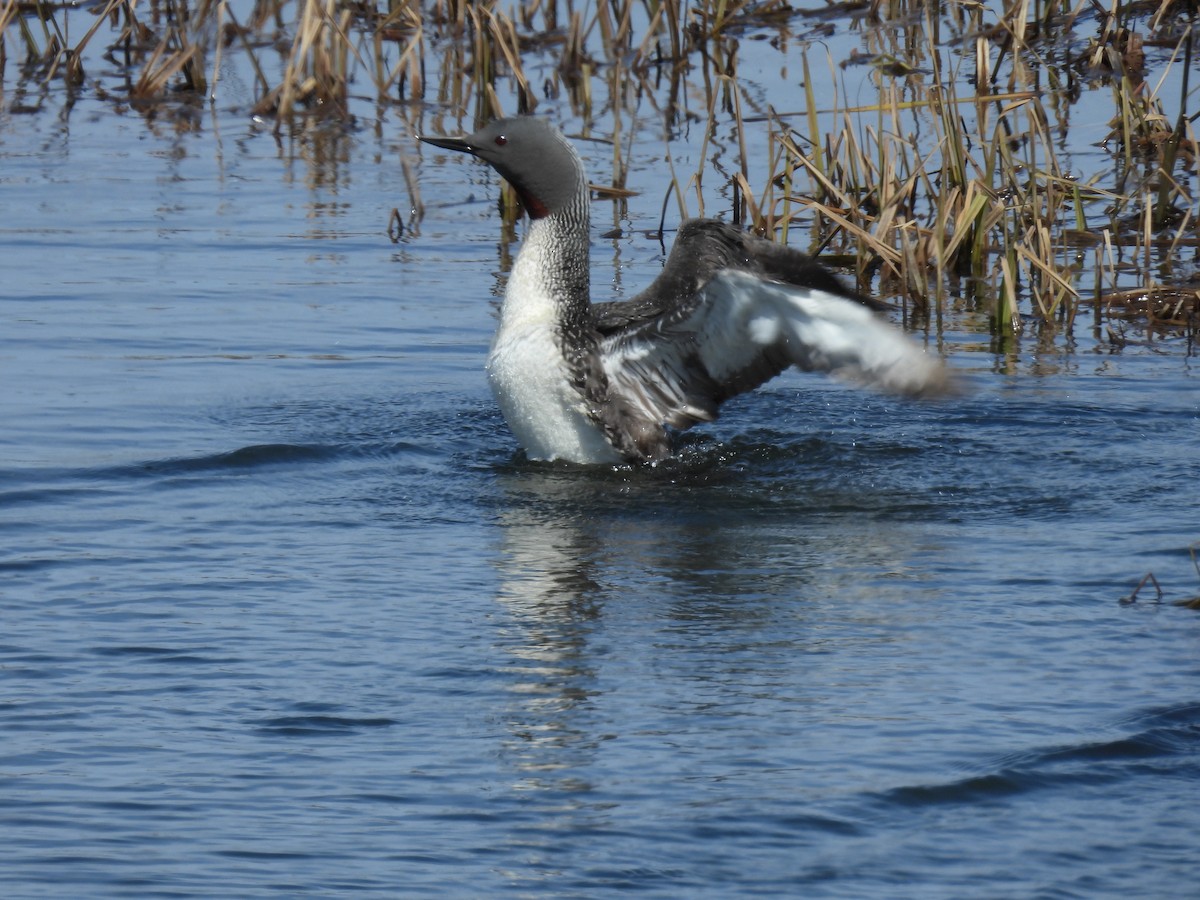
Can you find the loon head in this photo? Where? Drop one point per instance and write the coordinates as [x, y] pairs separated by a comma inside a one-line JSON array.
[[531, 155]]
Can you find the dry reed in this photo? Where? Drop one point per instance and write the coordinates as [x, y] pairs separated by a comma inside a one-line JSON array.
[[948, 186]]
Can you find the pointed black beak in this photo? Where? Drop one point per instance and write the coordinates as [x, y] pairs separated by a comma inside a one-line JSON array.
[[447, 143]]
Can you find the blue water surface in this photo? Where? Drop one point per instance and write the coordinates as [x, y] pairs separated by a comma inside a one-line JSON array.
[[286, 612]]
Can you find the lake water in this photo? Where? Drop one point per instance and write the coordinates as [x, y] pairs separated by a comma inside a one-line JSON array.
[[285, 612]]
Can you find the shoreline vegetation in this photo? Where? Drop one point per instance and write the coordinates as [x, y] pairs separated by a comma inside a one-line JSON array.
[[950, 188]]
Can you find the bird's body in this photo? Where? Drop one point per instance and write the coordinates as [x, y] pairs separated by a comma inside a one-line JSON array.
[[611, 382], [532, 381]]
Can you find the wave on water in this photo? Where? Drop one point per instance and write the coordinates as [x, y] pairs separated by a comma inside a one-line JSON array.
[[318, 725], [39, 485], [1163, 737]]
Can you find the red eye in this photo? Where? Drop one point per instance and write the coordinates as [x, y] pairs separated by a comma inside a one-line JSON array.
[[501, 140]]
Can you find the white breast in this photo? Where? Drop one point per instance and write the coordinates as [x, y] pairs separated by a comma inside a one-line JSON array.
[[526, 367], [529, 377]]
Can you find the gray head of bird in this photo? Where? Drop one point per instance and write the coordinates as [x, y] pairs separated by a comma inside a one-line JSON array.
[[531, 155]]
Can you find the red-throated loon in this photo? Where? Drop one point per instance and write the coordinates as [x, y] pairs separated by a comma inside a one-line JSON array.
[[610, 382]]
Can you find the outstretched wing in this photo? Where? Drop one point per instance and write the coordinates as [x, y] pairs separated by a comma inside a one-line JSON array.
[[738, 331], [702, 249]]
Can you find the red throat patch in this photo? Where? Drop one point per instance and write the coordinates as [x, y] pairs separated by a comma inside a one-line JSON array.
[[534, 207]]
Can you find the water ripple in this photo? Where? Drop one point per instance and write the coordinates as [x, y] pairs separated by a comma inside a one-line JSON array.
[[1171, 736], [306, 726]]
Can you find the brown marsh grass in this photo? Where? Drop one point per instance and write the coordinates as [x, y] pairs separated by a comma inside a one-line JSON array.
[[947, 185]]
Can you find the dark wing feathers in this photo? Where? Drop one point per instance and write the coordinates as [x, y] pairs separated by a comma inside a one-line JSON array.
[[729, 312], [704, 247]]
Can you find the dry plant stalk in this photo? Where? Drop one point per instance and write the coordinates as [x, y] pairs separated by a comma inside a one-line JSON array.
[[991, 204], [317, 72], [951, 176]]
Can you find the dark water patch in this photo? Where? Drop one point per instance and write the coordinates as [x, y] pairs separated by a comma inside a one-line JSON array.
[[73, 859], [264, 854], [19, 653], [475, 816], [1175, 728], [64, 483], [40, 496], [395, 800], [164, 655], [32, 719], [787, 829], [254, 456], [977, 789], [1172, 736], [28, 565], [635, 880], [317, 725], [69, 483], [258, 456], [456, 682], [168, 810]]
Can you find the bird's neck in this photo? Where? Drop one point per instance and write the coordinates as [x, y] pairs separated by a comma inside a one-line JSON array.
[[550, 278]]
